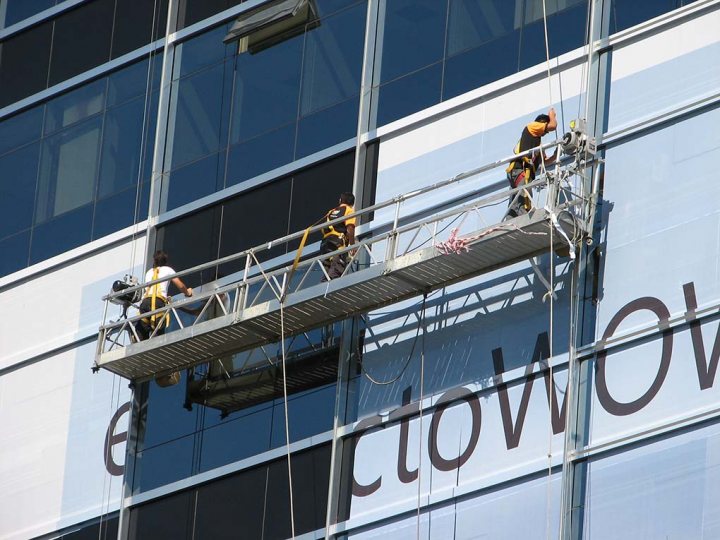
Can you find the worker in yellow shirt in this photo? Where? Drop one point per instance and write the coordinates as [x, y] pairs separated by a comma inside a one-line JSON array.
[[338, 236]]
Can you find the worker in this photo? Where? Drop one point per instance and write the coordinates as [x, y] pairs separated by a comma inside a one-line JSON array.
[[338, 236], [156, 297], [522, 170]]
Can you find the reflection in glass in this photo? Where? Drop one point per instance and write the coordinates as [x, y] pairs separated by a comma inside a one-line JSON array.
[[68, 170], [75, 106], [67, 231], [19, 10], [409, 94], [204, 50], [20, 129], [17, 189], [121, 148]]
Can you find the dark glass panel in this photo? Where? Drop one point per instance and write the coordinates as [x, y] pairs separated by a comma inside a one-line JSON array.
[[114, 213], [532, 45], [195, 180], [253, 218], [476, 67], [203, 50], [327, 127], [311, 473], [68, 169], [260, 154], [237, 437], [190, 241], [163, 464], [197, 103], [14, 252], [75, 106], [121, 148], [232, 507], [24, 61], [409, 94], [627, 13], [134, 24], [144, 201], [18, 182], [267, 87], [70, 230], [168, 518], [332, 60], [19, 10], [81, 39], [106, 527], [192, 11], [310, 413], [414, 36], [150, 136], [128, 83], [20, 129], [566, 30], [473, 23], [325, 7], [317, 189]]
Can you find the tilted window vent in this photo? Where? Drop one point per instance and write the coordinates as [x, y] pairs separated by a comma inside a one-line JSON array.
[[271, 23]]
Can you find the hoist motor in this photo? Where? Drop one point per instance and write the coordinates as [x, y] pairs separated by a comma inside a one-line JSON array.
[[576, 140], [131, 297]]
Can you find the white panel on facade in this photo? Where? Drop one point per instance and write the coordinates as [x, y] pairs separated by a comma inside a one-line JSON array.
[[55, 416]]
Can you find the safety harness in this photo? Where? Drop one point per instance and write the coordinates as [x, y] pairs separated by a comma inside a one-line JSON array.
[[522, 170], [153, 292], [337, 232]]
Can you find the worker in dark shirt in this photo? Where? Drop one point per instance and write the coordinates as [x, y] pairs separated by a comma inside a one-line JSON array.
[[338, 236], [522, 170]]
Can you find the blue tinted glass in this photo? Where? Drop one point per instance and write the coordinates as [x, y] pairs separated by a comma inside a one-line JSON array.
[[409, 94], [72, 229], [568, 29], [165, 419], [197, 104], [267, 87], [127, 83], [627, 13], [114, 213], [121, 148], [17, 189], [472, 23], [203, 50], [413, 37], [261, 154], [20, 129], [236, 438], [532, 45], [498, 59], [19, 10], [75, 106], [310, 413], [14, 252], [195, 180], [160, 465], [325, 7], [327, 127], [332, 62], [150, 124], [144, 205], [68, 170]]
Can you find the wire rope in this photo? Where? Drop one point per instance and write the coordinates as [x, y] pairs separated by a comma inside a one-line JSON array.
[[287, 420], [420, 414]]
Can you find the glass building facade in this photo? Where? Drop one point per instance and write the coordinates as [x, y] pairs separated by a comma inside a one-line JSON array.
[[128, 126]]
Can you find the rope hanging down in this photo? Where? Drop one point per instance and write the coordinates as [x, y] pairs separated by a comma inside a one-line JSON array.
[[287, 421]]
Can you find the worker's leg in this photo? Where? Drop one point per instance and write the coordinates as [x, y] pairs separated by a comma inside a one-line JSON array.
[[328, 245], [337, 266], [516, 203]]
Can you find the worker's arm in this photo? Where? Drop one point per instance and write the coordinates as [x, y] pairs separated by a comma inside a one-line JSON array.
[[350, 234], [187, 291], [552, 124]]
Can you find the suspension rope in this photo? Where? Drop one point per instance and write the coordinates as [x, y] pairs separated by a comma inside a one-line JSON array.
[[287, 421], [420, 412]]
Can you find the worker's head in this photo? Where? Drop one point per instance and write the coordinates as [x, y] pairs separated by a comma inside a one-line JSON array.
[[160, 258], [544, 118], [347, 198]]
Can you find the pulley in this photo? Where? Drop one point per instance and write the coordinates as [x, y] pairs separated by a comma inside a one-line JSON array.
[[576, 140]]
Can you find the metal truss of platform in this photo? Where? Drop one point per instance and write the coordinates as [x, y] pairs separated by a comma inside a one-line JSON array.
[[379, 285]]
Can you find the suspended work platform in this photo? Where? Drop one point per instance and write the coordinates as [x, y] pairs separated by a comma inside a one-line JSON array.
[[399, 261]]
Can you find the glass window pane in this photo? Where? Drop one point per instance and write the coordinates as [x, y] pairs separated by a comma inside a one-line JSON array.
[[327, 127], [473, 23], [18, 182], [75, 106], [15, 252], [68, 170], [627, 13], [133, 26], [81, 39], [20, 129], [24, 62], [128, 83], [195, 180], [114, 213], [203, 50], [192, 11], [196, 107], [310, 413], [409, 94], [267, 86], [227, 505], [70, 230], [121, 148], [332, 62], [163, 464], [106, 527], [169, 517], [19, 10], [413, 37], [260, 154]]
